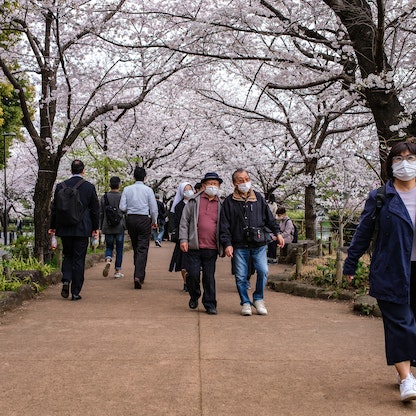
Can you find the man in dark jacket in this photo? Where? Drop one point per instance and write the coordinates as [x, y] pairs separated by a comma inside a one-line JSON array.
[[75, 237], [243, 209]]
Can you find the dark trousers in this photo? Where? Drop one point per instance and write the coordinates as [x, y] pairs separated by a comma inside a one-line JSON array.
[[139, 228], [196, 260], [400, 326], [272, 250], [74, 250]]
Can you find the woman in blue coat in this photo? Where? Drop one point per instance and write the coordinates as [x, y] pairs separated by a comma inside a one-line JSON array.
[[393, 264]]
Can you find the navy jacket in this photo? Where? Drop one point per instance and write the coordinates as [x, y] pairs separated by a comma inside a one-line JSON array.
[[231, 225], [90, 220], [390, 262]]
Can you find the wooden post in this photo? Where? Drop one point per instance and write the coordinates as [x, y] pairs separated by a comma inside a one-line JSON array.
[[6, 267], [339, 266], [298, 262], [330, 245], [305, 253]]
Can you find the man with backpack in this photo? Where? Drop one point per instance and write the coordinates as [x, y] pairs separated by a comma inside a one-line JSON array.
[[74, 218], [112, 224]]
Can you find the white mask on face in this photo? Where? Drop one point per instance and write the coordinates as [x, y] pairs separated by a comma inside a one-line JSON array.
[[244, 187], [211, 190], [404, 170], [188, 193]]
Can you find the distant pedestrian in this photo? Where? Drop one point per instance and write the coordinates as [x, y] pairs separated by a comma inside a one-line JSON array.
[[245, 210], [75, 236], [177, 263], [199, 240], [272, 246], [139, 203], [161, 221], [114, 232]]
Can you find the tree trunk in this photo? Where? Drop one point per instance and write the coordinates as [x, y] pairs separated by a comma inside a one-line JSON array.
[[48, 167], [310, 212], [368, 42]]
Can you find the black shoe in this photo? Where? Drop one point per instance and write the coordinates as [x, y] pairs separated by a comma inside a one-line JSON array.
[[211, 311], [193, 303], [65, 290], [137, 284], [76, 297]]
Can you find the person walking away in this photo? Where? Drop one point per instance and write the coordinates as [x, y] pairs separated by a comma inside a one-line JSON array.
[[272, 246], [160, 230], [112, 225], [199, 239], [393, 263], [74, 228], [177, 262], [138, 202], [242, 210]]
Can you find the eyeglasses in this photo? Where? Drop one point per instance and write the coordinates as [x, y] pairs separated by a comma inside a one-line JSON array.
[[409, 158]]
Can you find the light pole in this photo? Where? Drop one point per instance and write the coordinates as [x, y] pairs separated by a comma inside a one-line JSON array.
[[5, 135]]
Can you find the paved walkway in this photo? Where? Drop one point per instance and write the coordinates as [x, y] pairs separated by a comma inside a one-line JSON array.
[[122, 352]]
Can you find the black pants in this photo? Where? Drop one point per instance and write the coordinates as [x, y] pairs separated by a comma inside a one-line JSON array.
[[205, 259], [139, 228], [74, 250]]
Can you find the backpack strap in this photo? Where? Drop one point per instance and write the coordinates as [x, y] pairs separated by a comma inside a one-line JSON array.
[[380, 199], [106, 199]]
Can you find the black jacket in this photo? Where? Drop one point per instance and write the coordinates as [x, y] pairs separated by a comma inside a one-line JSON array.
[[90, 220], [233, 212]]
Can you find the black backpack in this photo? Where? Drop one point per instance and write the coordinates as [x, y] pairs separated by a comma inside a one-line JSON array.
[[295, 233], [111, 213], [69, 208]]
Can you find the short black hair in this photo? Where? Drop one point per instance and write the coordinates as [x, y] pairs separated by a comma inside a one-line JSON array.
[[115, 182], [139, 173], [198, 186], [398, 148], [77, 167], [281, 211]]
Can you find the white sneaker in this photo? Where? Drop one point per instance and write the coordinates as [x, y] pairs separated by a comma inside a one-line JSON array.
[[118, 275], [260, 307], [246, 310], [408, 388]]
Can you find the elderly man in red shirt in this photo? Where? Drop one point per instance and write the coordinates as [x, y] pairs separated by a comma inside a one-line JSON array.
[[199, 239]]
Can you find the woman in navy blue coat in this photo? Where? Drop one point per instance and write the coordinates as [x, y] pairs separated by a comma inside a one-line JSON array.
[[393, 264]]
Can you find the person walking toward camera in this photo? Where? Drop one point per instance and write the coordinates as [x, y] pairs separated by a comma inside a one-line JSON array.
[[199, 240], [390, 213], [245, 210], [112, 224], [75, 214], [139, 203]]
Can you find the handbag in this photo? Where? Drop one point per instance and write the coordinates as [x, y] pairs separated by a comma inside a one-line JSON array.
[[257, 236], [174, 237]]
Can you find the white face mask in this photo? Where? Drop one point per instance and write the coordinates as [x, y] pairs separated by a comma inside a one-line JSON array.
[[188, 193], [404, 170], [211, 190], [244, 187]]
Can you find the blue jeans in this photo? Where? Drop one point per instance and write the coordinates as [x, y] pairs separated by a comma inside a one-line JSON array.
[[109, 247], [242, 264], [158, 235]]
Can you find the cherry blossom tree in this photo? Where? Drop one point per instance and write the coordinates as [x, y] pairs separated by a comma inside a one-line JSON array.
[[87, 60]]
